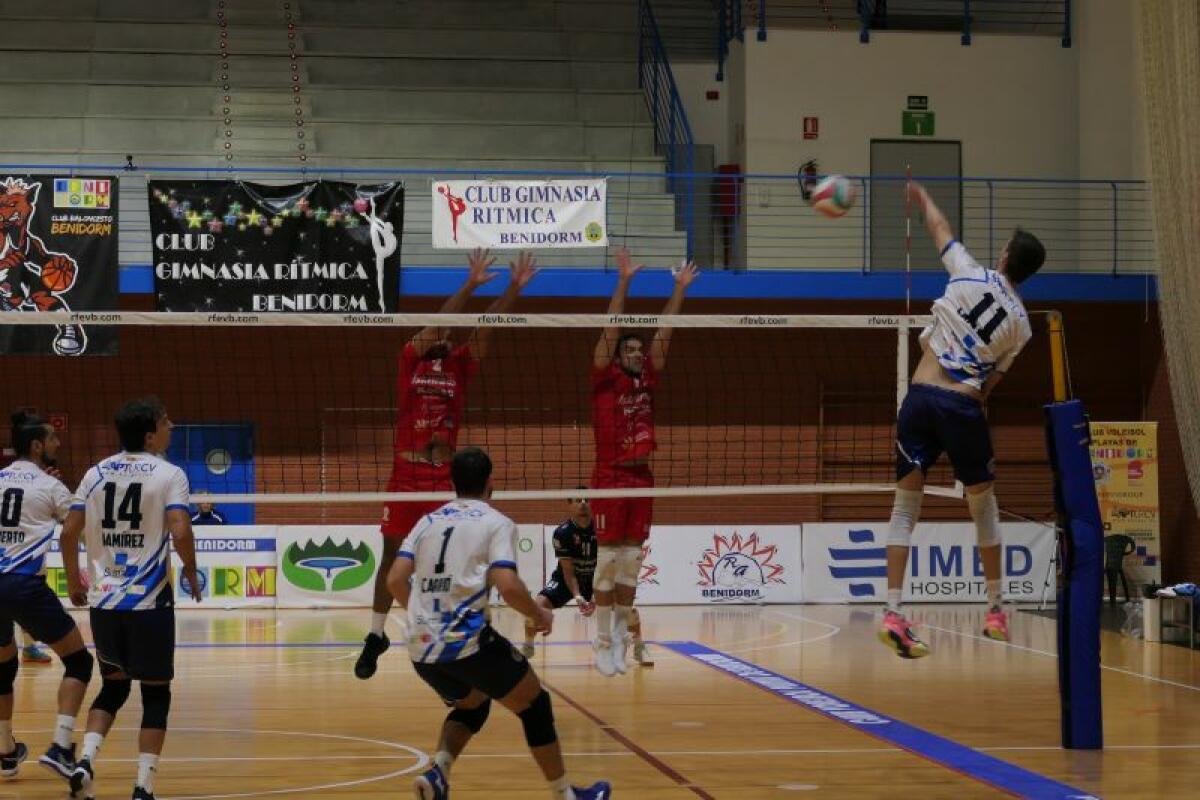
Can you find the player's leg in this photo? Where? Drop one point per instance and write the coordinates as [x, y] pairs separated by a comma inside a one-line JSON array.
[[606, 513], [12, 752], [467, 716], [638, 512], [113, 647], [549, 598], [641, 655], [152, 663], [398, 520]]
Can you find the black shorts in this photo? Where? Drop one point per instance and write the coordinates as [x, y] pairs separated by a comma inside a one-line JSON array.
[[495, 670], [933, 420], [559, 594], [139, 643], [28, 601]]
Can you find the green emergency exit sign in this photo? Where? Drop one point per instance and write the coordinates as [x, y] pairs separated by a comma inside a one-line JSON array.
[[917, 123]]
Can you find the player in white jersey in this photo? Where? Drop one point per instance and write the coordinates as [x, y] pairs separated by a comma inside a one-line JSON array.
[[130, 508], [32, 503], [443, 575], [979, 325]]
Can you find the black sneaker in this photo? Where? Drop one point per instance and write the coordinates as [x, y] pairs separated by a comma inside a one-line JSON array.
[[59, 760], [141, 794], [81, 780], [11, 762], [373, 647]]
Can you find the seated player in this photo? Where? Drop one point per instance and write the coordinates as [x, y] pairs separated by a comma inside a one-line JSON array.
[[575, 549]]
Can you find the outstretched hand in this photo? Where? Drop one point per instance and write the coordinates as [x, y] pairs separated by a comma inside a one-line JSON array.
[[626, 265], [478, 264], [521, 271], [685, 274]]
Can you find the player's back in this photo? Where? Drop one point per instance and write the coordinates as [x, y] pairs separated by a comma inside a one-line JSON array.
[[31, 505], [452, 550], [125, 500]]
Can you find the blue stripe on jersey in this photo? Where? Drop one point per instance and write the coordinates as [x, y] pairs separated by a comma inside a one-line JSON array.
[[949, 244], [506, 564], [406, 554], [157, 561], [968, 280], [28, 568], [154, 582], [473, 623], [99, 480], [177, 507], [78, 507], [33, 551]]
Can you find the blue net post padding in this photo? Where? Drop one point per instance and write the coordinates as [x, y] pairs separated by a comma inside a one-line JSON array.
[[1081, 574]]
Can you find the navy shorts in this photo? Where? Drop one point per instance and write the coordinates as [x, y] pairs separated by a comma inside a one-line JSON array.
[[559, 594], [28, 601], [933, 421], [495, 670], [139, 643]]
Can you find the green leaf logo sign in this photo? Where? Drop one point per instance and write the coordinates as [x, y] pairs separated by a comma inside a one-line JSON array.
[[328, 567]]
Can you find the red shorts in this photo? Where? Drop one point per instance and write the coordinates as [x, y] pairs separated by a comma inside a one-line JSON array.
[[623, 519], [401, 516]]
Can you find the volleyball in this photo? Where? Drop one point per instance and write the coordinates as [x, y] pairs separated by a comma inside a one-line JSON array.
[[834, 196]]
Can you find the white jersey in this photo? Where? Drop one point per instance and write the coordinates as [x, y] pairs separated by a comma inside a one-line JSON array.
[[452, 550], [125, 500], [979, 323], [32, 504]]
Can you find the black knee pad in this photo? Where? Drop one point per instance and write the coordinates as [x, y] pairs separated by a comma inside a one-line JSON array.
[[538, 721], [8, 675], [156, 705], [79, 665], [113, 695], [472, 718]]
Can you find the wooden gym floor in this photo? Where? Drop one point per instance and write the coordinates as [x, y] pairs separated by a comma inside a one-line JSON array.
[[265, 705]]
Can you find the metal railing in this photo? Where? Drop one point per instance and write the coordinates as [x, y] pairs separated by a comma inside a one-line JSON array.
[[672, 133]]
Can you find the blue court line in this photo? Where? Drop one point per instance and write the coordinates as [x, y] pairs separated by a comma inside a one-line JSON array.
[[970, 763], [283, 645]]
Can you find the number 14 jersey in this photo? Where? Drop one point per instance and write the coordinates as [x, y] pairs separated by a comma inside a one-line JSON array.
[[452, 550], [125, 500], [979, 323]]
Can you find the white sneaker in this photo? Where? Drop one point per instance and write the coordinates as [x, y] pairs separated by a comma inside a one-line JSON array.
[[641, 655], [604, 659], [620, 647]]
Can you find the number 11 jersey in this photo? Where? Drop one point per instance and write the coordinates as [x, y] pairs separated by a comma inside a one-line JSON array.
[[125, 500], [452, 550], [979, 323]]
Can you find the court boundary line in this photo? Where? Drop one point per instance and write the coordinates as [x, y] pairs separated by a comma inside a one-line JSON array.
[[630, 745], [938, 750]]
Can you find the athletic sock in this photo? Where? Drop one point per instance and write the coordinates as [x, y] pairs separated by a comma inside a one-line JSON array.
[[604, 621], [621, 621], [893, 601], [993, 594], [147, 766], [377, 622], [91, 745], [7, 743], [444, 761], [64, 730], [561, 789]]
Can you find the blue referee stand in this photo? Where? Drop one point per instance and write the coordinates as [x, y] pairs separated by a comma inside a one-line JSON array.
[[1080, 559]]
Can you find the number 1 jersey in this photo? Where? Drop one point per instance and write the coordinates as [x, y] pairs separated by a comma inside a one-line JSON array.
[[125, 500], [979, 323]]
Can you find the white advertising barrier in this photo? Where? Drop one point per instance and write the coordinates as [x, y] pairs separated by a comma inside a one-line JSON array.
[[530, 563], [236, 566], [519, 214], [327, 566], [702, 565], [847, 563]]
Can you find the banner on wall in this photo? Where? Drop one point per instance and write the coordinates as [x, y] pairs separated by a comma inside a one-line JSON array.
[[322, 246], [327, 566], [1125, 465], [236, 567], [706, 565], [58, 252], [519, 214], [847, 563]]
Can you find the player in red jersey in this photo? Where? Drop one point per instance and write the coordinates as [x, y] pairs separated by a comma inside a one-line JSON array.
[[435, 371], [624, 378]]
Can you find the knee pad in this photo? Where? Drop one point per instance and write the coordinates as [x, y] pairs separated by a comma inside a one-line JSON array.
[[605, 577], [985, 511], [906, 510], [8, 675], [471, 718], [156, 705], [78, 665], [629, 565], [538, 721], [113, 695]]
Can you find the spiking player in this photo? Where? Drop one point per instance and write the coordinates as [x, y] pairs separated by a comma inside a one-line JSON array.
[[624, 379], [434, 374], [447, 566], [979, 325], [130, 508], [32, 502]]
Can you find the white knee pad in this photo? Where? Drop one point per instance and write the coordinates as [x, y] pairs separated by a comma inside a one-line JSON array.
[[906, 510], [605, 578], [985, 511], [629, 565]]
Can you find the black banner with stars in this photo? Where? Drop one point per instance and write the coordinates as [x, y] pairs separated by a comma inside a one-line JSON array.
[[321, 246]]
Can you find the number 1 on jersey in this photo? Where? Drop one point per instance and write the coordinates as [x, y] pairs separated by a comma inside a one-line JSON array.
[[130, 509], [972, 317], [440, 566]]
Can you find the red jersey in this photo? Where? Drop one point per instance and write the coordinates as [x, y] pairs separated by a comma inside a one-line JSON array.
[[623, 414], [432, 394]]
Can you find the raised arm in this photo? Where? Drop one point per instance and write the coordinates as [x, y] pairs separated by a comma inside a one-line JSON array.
[[935, 221], [520, 273], [662, 338], [603, 355], [477, 275]]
